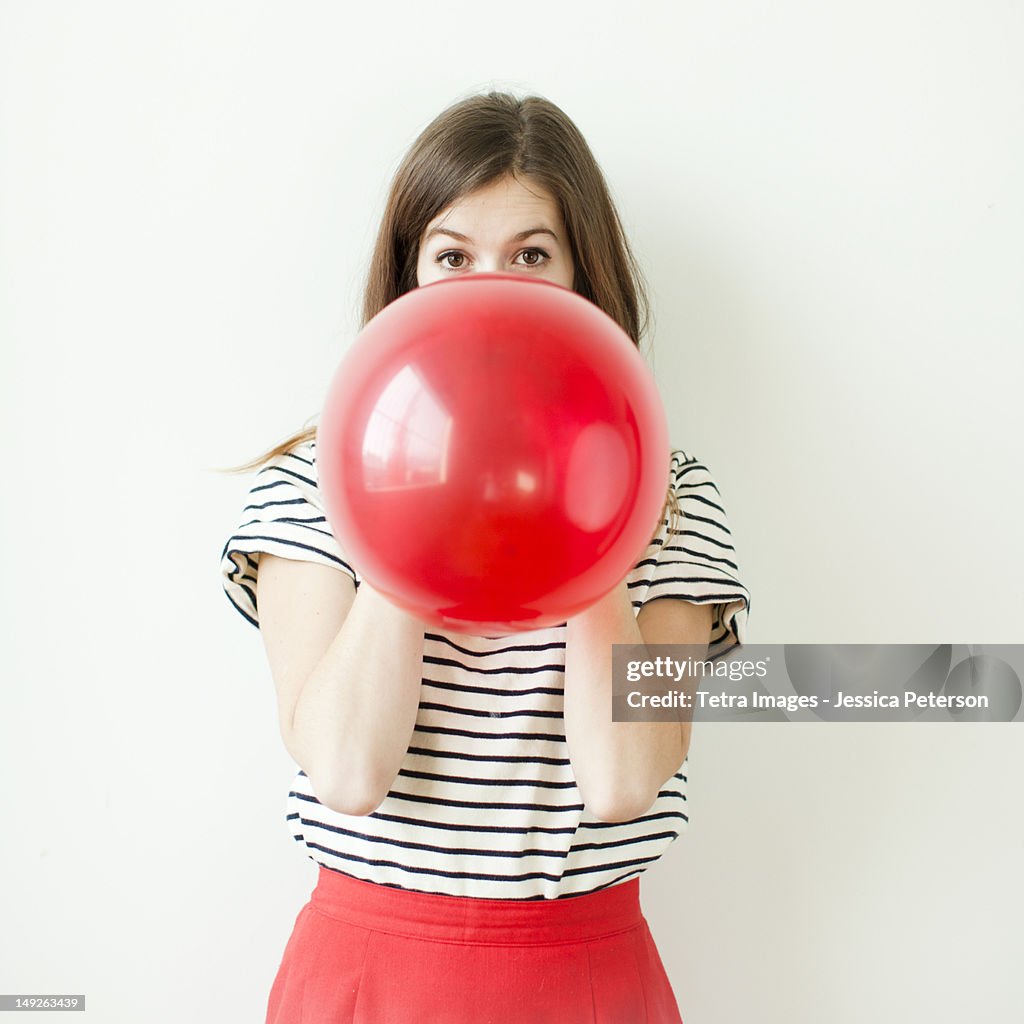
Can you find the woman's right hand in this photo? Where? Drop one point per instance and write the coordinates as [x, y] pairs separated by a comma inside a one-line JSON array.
[[347, 666]]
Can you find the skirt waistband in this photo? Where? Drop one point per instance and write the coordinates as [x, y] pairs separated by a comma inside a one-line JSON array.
[[468, 919]]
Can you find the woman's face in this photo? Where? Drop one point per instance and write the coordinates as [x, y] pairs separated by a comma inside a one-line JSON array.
[[511, 226]]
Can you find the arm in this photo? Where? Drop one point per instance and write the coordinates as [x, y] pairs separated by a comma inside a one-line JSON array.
[[620, 766], [347, 668]]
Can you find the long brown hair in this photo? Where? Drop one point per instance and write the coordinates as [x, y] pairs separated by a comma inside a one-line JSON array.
[[473, 143]]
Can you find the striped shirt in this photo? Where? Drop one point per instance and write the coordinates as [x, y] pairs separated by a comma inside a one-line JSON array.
[[485, 803]]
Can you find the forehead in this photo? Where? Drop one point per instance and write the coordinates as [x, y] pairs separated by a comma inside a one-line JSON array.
[[500, 201]]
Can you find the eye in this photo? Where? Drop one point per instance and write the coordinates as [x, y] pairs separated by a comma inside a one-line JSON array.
[[534, 257], [452, 259]]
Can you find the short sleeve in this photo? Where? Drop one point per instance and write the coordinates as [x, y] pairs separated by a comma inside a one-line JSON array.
[[697, 561], [284, 516]]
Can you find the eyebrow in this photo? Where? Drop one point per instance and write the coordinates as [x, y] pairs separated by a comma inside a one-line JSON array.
[[519, 237]]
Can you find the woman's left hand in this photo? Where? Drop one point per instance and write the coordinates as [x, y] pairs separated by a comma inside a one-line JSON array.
[[621, 766]]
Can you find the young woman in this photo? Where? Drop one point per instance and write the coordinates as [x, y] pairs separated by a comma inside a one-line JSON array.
[[479, 822]]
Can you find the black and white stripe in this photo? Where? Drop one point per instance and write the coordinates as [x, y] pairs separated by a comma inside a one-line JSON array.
[[485, 803]]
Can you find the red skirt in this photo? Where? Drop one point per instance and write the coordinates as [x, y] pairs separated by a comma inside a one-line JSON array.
[[363, 953]]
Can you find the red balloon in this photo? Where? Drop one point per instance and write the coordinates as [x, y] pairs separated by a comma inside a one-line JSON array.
[[493, 454]]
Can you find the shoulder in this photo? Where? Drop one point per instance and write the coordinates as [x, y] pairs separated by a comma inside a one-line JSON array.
[[302, 453], [689, 471], [295, 466], [680, 458]]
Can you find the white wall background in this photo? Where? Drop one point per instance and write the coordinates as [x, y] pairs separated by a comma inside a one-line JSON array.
[[828, 201]]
